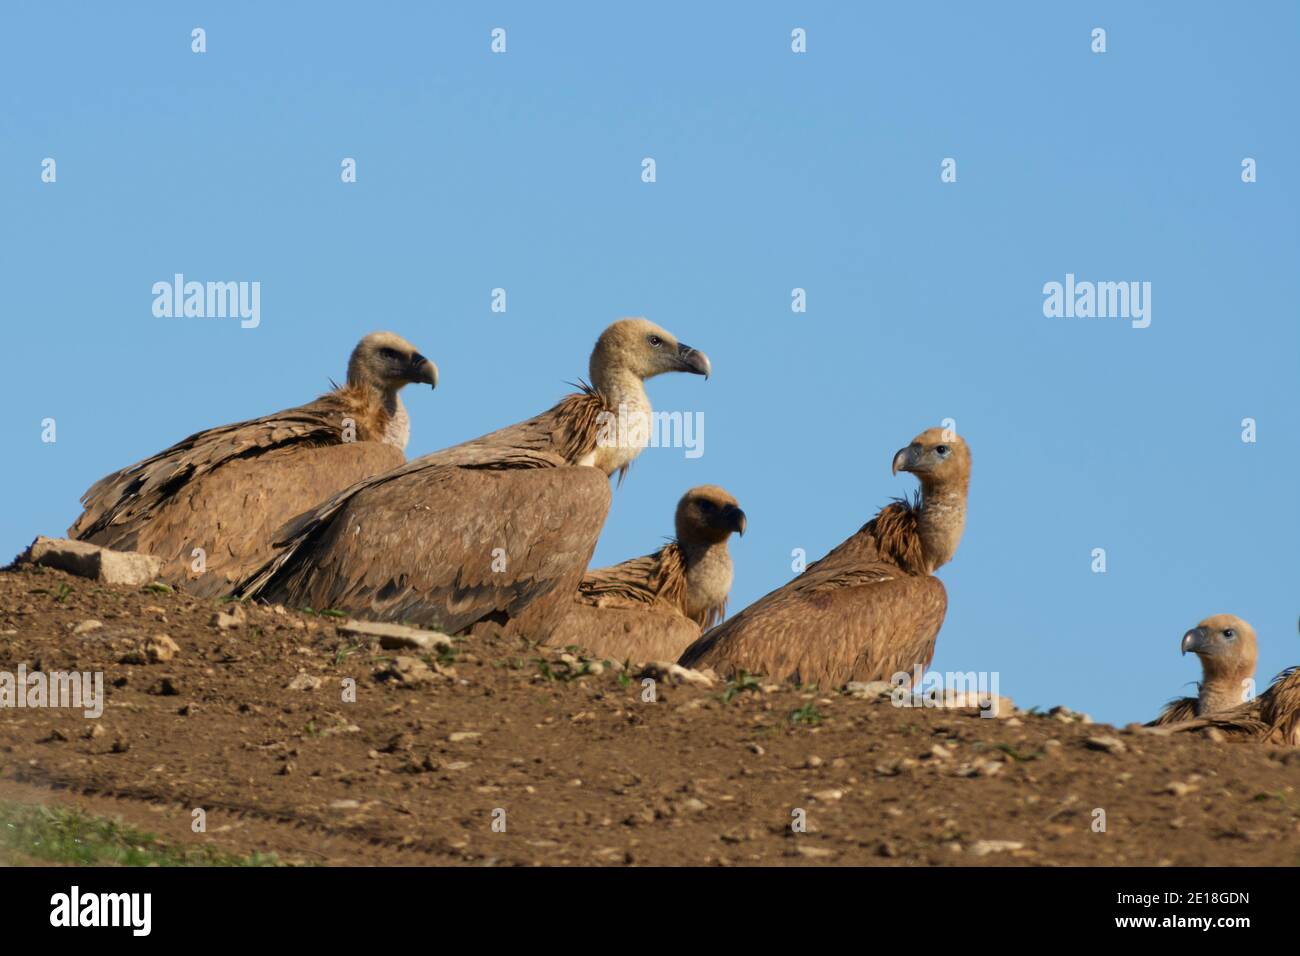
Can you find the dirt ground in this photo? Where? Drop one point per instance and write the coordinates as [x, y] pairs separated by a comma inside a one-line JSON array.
[[437, 756]]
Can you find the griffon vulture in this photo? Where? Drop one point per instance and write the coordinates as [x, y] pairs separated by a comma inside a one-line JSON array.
[[650, 608], [498, 529], [1227, 649], [1273, 717], [224, 491], [871, 607]]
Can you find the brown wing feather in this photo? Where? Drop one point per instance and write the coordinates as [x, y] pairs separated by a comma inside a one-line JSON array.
[[1272, 717], [863, 612], [1280, 708], [638, 582], [417, 544], [1175, 712], [829, 636], [654, 632], [568, 430], [225, 489], [233, 512], [633, 610]]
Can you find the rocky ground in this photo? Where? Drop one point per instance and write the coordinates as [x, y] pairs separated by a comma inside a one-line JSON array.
[[300, 738]]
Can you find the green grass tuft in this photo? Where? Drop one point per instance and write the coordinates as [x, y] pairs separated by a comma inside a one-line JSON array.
[[31, 834]]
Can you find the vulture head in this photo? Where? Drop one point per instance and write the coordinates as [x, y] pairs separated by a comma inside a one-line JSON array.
[[387, 362], [708, 515], [1226, 646], [640, 348], [938, 457]]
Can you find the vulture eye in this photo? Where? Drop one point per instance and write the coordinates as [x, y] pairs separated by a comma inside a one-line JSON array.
[[1229, 633], [942, 450], [707, 506], [391, 354], [656, 341]]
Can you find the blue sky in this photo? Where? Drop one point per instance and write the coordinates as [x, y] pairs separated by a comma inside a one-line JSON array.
[[774, 171]]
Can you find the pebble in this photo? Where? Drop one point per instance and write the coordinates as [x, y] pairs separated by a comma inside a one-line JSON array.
[[233, 616], [304, 681], [814, 852], [1111, 745], [985, 847], [161, 648]]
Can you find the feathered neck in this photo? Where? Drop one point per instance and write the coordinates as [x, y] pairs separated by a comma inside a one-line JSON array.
[[941, 519], [627, 429], [1222, 687], [709, 574], [376, 414], [397, 430]]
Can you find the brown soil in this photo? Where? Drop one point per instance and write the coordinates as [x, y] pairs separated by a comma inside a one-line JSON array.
[[585, 771]]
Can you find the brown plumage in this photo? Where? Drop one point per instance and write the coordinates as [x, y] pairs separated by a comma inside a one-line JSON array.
[[1227, 648], [498, 529], [871, 607], [1273, 717], [650, 608], [226, 489]]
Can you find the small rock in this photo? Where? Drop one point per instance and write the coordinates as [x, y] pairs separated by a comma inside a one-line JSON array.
[[1179, 789], [674, 674], [869, 690], [985, 847], [1111, 745], [87, 560], [408, 672], [396, 636], [157, 649], [304, 681], [1061, 713], [160, 648], [87, 626], [463, 735], [814, 852], [231, 617]]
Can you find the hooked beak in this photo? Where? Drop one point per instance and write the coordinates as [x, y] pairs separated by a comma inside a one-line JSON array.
[[1194, 640], [423, 370], [734, 519], [905, 459], [693, 361]]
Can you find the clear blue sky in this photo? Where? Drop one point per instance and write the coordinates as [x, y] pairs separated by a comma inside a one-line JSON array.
[[775, 170]]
